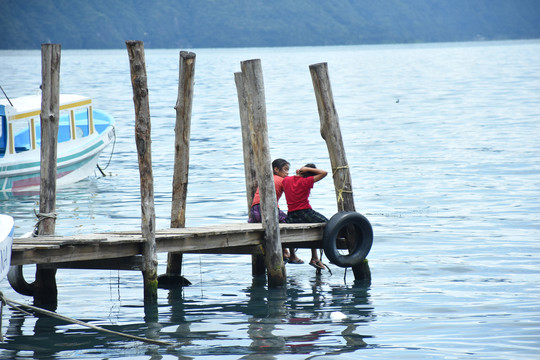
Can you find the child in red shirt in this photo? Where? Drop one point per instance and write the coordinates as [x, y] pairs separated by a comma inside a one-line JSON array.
[[297, 190]]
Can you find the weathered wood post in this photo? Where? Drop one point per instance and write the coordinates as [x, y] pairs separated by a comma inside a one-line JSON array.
[[45, 291], [254, 88], [143, 142], [331, 133], [257, 261], [182, 132]]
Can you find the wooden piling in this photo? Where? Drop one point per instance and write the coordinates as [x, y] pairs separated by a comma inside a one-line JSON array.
[[182, 132], [331, 133], [44, 288], [143, 142], [254, 88], [257, 261]]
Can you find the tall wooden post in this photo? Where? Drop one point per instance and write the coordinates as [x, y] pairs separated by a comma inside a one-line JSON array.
[[331, 133], [143, 142], [181, 158], [254, 88], [257, 261], [45, 291]]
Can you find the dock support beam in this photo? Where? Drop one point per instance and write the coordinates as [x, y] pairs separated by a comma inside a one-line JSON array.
[[45, 290], [254, 89], [331, 133], [182, 130], [143, 142], [257, 261]]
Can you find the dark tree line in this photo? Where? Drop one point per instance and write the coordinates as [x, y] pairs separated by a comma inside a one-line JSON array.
[[79, 24]]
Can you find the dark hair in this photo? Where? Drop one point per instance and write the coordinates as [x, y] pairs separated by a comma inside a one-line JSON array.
[[280, 164], [309, 173]]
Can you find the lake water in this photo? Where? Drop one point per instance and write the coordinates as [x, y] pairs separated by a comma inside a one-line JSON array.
[[443, 145]]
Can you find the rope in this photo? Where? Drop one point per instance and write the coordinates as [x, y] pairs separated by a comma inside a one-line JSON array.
[[342, 190], [326, 266], [41, 217], [6, 96], [110, 157], [200, 274], [13, 304]]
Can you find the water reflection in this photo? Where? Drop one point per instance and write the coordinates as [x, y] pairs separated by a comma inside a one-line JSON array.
[[448, 176], [290, 320], [257, 322]]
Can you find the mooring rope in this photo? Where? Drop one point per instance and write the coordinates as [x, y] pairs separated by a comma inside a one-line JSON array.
[[326, 266], [342, 190], [14, 304], [41, 217], [200, 274], [110, 157]]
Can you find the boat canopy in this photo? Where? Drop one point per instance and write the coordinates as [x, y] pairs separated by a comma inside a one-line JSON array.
[[20, 129]]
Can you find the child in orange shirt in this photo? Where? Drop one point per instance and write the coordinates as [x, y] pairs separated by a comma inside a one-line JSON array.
[[281, 171]]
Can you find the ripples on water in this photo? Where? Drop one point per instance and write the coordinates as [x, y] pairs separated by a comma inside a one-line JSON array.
[[448, 176]]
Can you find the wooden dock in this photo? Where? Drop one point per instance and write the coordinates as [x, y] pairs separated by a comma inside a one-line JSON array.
[[137, 250], [124, 250]]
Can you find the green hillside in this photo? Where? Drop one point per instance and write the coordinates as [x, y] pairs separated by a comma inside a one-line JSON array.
[[246, 23]]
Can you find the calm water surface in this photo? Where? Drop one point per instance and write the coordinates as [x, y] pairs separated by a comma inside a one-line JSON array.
[[443, 146]]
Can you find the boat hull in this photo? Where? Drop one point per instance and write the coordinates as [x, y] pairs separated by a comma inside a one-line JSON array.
[[6, 241], [73, 164], [83, 133]]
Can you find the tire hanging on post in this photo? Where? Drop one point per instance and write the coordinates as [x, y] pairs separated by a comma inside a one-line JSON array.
[[362, 241]]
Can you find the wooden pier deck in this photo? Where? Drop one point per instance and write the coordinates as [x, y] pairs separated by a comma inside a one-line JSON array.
[[137, 250], [123, 250]]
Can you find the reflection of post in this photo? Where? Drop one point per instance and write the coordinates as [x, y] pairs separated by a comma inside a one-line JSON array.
[[260, 330], [331, 133], [254, 87], [14, 331], [257, 261], [178, 316], [144, 151], [181, 155], [45, 291]]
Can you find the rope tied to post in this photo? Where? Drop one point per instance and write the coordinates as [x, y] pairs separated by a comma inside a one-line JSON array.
[[41, 217], [342, 189]]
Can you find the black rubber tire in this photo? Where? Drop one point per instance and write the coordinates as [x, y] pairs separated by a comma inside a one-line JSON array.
[[18, 283], [363, 240]]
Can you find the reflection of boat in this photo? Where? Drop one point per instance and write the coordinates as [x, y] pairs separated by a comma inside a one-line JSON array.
[[82, 135], [6, 240]]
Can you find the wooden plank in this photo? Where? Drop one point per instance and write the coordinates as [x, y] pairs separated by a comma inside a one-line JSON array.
[[73, 253], [123, 263], [223, 238]]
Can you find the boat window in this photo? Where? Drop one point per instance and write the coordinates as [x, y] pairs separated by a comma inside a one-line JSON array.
[[21, 131], [64, 133], [2, 137], [81, 121]]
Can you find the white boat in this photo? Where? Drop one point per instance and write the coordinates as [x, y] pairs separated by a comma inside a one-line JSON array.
[[82, 135], [6, 240]]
